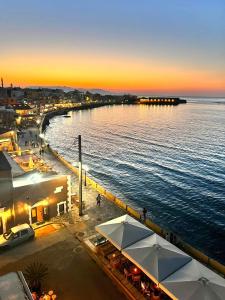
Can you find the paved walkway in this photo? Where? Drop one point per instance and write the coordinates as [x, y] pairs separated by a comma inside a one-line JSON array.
[[75, 276], [93, 214], [72, 273]]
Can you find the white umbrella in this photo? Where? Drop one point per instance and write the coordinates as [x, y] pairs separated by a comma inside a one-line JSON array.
[[123, 231], [156, 257], [194, 281]]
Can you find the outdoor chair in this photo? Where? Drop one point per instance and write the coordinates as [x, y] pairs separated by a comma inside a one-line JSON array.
[[136, 279], [115, 263], [145, 289], [127, 274]]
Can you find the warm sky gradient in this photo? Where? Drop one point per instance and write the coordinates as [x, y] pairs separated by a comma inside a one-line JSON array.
[[142, 46]]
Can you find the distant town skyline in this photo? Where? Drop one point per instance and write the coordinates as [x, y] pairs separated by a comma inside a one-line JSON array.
[[141, 47]]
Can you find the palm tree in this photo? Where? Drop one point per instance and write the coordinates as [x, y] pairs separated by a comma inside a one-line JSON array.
[[35, 273]]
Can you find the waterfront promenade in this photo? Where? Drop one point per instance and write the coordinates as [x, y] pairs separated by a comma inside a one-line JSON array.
[[92, 214], [109, 209], [71, 269]]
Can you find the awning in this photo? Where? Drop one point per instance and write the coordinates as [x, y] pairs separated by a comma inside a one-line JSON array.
[[194, 281], [156, 257], [123, 231]]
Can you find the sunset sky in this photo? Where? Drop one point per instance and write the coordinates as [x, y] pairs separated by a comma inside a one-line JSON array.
[[174, 47]]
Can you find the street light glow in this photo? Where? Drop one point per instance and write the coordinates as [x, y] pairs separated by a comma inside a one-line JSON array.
[[85, 168]]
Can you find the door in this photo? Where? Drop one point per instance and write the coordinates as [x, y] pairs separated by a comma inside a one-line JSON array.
[[1, 226], [46, 213], [61, 207], [40, 213], [34, 214]]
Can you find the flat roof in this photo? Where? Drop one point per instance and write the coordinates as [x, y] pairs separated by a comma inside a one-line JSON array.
[[33, 178], [13, 286], [4, 130], [4, 163], [15, 168]]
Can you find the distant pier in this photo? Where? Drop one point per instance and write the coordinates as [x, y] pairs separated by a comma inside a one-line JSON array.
[[161, 100]]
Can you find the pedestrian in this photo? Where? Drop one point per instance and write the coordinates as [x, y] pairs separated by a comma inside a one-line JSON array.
[[168, 236], [171, 238], [144, 214], [98, 200]]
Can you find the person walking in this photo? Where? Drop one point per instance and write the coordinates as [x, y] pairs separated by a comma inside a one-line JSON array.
[[98, 200], [144, 214]]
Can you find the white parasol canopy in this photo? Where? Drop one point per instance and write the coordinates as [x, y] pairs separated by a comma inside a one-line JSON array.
[[156, 257], [194, 281], [123, 231]]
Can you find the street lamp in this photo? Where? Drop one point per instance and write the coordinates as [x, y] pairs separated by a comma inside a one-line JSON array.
[[86, 169], [80, 176]]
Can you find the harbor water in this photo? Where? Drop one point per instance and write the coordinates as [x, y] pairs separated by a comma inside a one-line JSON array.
[[169, 159]]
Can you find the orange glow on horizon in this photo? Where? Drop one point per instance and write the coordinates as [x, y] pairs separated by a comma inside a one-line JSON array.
[[111, 73]]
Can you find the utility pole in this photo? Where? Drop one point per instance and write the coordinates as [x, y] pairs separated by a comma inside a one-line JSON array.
[[80, 176]]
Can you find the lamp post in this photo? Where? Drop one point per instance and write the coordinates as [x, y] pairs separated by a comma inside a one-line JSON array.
[[80, 176], [86, 169]]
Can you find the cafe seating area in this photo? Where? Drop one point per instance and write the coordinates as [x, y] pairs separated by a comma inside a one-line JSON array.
[[146, 266], [132, 277]]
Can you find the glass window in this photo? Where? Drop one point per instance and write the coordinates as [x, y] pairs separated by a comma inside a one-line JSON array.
[[16, 235], [24, 232]]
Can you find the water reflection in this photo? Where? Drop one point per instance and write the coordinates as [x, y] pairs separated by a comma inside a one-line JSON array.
[[168, 159]]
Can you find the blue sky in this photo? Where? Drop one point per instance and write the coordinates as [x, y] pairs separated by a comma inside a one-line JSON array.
[[187, 37]]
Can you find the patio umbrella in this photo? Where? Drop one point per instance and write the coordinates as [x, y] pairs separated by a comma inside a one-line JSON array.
[[123, 231], [156, 257], [194, 281]]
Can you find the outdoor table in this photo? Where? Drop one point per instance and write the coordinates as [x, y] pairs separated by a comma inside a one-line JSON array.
[[106, 249], [114, 255], [115, 263], [123, 259], [135, 270]]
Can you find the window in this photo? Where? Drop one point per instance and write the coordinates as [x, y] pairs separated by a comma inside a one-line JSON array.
[[24, 232], [61, 208], [58, 189], [33, 212]]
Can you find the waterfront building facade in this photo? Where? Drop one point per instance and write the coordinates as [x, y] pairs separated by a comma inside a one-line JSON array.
[[30, 197], [8, 140]]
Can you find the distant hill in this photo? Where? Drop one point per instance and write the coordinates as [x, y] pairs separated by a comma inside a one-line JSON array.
[[69, 89]]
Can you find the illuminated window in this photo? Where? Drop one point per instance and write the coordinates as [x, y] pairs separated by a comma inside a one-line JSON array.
[[58, 189]]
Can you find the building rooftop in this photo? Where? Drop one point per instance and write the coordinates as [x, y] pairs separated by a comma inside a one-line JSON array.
[[14, 286], [4, 163], [32, 178], [4, 130], [16, 169], [7, 164]]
